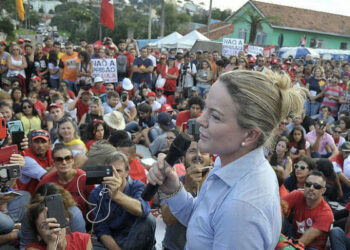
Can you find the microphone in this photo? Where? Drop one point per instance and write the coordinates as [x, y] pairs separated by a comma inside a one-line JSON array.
[[177, 149]]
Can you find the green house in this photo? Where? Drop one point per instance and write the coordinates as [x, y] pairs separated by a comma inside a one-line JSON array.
[[290, 25]]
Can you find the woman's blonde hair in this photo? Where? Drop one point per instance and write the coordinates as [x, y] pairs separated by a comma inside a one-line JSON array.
[[97, 101], [263, 100]]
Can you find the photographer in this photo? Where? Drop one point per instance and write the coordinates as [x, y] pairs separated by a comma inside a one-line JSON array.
[[188, 72], [81, 103]]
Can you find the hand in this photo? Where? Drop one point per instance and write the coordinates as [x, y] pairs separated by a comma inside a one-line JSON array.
[[302, 152], [320, 131], [81, 91], [17, 159], [24, 144], [114, 183], [193, 177], [164, 175]]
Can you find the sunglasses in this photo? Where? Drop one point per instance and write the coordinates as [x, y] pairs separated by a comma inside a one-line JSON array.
[[284, 123], [68, 159], [302, 167], [338, 132], [316, 185], [27, 107]]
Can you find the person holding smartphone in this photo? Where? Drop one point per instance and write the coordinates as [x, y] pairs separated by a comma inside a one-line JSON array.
[[242, 110]]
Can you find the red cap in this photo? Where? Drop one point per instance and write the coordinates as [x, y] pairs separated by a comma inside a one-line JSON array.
[[163, 57], [40, 133], [166, 108], [97, 44], [151, 93], [55, 105], [274, 61], [20, 40], [161, 88], [252, 59], [157, 52], [3, 43], [35, 78]]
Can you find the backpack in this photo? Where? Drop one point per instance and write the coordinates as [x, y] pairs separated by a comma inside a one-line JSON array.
[[122, 62]]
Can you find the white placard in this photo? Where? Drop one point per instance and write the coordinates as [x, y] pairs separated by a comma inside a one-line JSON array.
[[105, 68], [231, 46], [255, 50]]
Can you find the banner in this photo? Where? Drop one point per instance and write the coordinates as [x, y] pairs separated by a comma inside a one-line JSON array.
[[255, 50], [20, 9], [107, 13], [105, 68], [231, 46]]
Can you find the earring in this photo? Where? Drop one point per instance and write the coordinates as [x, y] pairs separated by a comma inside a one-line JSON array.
[[243, 144]]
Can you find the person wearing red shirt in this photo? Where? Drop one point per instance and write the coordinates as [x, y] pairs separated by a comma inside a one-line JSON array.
[[312, 217], [68, 177], [81, 103], [170, 73], [98, 88], [137, 170], [37, 161], [128, 87], [195, 105]]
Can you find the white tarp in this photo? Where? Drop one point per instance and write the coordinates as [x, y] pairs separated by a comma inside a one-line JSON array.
[[187, 41], [167, 42]]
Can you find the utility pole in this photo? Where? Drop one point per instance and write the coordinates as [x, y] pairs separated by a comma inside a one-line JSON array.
[[209, 19], [162, 18], [150, 21]]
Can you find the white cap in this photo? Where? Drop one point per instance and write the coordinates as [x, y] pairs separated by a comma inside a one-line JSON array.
[[98, 79], [180, 51], [127, 85]]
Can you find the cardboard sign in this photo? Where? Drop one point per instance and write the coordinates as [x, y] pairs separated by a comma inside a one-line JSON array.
[[105, 68], [255, 50], [231, 46]]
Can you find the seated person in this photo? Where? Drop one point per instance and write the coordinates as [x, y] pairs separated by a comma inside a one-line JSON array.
[[325, 115], [340, 239], [130, 224], [56, 113], [334, 190], [162, 142], [297, 120], [312, 216], [146, 122], [111, 102], [68, 177], [195, 108], [76, 219], [341, 166], [298, 176], [48, 230], [320, 141]]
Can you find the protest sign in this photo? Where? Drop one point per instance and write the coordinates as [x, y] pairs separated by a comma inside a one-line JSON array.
[[255, 50], [105, 68], [231, 46]]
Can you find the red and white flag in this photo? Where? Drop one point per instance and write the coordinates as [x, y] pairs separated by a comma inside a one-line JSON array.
[[107, 13]]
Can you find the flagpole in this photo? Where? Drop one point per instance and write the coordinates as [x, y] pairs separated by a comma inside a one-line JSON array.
[[100, 26]]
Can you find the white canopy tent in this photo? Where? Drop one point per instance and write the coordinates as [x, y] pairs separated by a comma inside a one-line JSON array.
[[167, 42], [187, 41]]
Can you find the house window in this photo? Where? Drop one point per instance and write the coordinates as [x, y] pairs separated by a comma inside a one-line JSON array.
[[261, 38], [242, 34], [321, 44], [343, 45]]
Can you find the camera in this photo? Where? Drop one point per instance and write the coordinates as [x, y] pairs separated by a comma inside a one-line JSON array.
[[8, 172], [84, 85], [94, 175], [124, 97]]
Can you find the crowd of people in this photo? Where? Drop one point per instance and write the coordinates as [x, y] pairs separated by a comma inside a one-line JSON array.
[[72, 121]]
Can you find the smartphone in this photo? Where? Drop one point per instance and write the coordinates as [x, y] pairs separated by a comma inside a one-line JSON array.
[[14, 126], [193, 128], [6, 152], [3, 130], [55, 206], [17, 138], [94, 175]]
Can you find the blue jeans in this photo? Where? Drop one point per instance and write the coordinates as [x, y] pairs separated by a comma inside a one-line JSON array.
[[311, 108], [17, 210], [154, 133], [132, 127], [72, 85], [139, 237], [339, 240]]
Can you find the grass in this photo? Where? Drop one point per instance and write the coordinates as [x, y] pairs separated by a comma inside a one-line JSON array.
[[24, 32]]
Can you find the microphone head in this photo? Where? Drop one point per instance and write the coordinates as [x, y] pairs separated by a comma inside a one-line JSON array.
[[178, 148]]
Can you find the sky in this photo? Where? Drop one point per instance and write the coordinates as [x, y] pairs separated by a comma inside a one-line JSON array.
[[332, 6]]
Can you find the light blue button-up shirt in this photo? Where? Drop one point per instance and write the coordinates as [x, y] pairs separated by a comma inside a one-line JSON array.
[[238, 207]]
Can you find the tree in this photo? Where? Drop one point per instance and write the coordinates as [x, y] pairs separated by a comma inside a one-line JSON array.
[[173, 19], [6, 26], [220, 14], [255, 21]]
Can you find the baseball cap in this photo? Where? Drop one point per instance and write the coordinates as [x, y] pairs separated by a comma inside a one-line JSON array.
[[252, 59], [151, 93], [164, 119], [180, 51], [163, 57], [345, 146], [199, 51], [28, 40], [20, 40], [54, 105], [274, 61], [40, 133], [36, 78], [166, 108], [6, 81], [3, 43]]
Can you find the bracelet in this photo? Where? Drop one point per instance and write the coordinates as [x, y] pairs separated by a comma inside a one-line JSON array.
[[167, 196]]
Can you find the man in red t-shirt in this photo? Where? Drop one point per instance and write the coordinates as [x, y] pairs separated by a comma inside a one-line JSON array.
[[81, 103], [312, 217], [195, 105], [37, 161]]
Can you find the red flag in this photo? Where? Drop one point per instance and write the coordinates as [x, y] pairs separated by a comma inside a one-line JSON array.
[[107, 13]]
